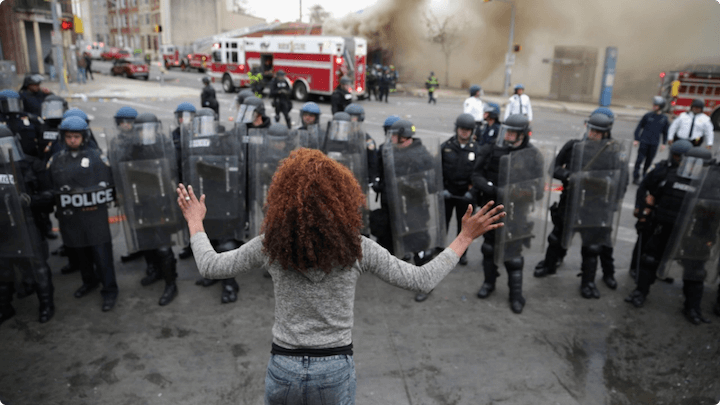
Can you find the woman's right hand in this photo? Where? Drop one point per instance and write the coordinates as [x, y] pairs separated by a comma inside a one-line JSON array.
[[486, 219], [193, 209]]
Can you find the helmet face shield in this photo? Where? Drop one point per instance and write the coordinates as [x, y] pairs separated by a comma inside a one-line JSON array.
[[184, 118], [246, 114], [12, 105], [10, 149], [690, 167], [53, 109], [339, 131], [124, 124], [510, 137], [148, 133], [205, 126]]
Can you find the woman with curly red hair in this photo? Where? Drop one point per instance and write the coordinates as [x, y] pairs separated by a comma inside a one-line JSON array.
[[314, 251]]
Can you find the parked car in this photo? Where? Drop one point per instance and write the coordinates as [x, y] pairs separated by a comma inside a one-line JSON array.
[[115, 53], [135, 68]]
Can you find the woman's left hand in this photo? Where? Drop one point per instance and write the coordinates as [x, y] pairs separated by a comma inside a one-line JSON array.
[[193, 209]]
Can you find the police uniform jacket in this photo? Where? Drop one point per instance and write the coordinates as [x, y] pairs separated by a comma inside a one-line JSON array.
[[458, 163], [340, 99], [519, 104], [651, 127], [29, 128]]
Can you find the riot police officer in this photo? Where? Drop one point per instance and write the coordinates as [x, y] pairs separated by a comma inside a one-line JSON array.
[[491, 128], [255, 113], [677, 233], [280, 92], [56, 147], [25, 192], [53, 108], [32, 94], [384, 83], [143, 161], [357, 114], [342, 96], [208, 98], [594, 168], [26, 125], [83, 184], [213, 163], [458, 160], [509, 172], [184, 114], [309, 115], [242, 95]]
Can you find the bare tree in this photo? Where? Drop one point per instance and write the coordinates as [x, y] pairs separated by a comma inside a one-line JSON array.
[[318, 15], [446, 32]]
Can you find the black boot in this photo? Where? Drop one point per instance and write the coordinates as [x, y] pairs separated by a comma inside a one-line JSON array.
[[608, 267], [7, 289], [152, 274], [491, 274], [45, 292], [693, 291], [588, 289], [636, 298], [169, 294], [230, 290], [517, 301]]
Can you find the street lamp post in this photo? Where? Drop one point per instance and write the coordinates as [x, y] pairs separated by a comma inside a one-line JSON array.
[[509, 56]]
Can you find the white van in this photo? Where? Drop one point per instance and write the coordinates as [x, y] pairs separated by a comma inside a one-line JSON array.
[[95, 49]]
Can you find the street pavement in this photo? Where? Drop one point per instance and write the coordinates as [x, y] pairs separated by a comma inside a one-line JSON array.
[[451, 349]]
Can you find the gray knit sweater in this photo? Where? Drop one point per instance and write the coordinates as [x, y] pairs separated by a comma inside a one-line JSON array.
[[315, 309]]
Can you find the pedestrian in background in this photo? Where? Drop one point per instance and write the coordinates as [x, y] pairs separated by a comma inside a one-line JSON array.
[[519, 103], [88, 63], [647, 135], [313, 249], [431, 84], [81, 66]]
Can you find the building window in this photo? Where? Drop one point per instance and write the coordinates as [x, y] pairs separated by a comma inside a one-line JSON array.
[[147, 19]]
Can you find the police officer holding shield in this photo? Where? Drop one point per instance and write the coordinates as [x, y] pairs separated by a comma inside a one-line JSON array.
[[595, 176], [458, 160], [357, 114], [53, 108], [184, 114], [83, 185], [683, 208], [213, 163], [24, 193], [145, 170], [26, 125], [510, 172]]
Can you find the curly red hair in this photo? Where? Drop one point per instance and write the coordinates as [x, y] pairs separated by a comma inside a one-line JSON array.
[[313, 217]]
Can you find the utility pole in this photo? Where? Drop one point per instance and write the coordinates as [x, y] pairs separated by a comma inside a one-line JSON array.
[[58, 45], [509, 56], [300, 20]]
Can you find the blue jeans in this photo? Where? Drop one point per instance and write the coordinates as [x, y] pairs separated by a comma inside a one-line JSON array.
[[81, 78], [310, 380], [646, 153]]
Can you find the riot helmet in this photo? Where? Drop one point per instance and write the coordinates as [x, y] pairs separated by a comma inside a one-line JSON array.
[[206, 80], [600, 123], [659, 101], [147, 128], [204, 123], [252, 108], [30, 80], [124, 118], [278, 130], [345, 81], [53, 108], [184, 113], [310, 109], [677, 150], [514, 132], [341, 116], [76, 112], [698, 103], [280, 74], [356, 111], [691, 166], [403, 129], [475, 90], [389, 121], [243, 95], [69, 127], [492, 110], [605, 111], [10, 102], [466, 121], [9, 145]]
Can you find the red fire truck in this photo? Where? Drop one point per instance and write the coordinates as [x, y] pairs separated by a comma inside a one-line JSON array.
[[313, 64], [171, 56], [681, 87]]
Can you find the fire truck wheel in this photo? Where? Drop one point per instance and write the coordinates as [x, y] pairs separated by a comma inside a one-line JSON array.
[[300, 91], [228, 84], [716, 119]]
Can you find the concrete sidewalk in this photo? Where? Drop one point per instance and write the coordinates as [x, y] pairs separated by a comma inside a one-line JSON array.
[[627, 111], [118, 87]]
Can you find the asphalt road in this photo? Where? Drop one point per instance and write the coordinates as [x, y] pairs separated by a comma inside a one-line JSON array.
[[451, 349]]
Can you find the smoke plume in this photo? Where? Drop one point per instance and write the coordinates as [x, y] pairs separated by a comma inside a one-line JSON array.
[[651, 36]]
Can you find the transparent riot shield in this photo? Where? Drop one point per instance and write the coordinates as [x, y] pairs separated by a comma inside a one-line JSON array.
[[19, 237], [524, 189], [83, 187], [345, 143], [692, 251], [265, 153], [310, 137], [413, 186], [145, 173], [213, 164], [597, 185]]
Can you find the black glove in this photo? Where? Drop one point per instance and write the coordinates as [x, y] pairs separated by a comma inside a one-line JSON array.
[[489, 190], [377, 186], [562, 174]]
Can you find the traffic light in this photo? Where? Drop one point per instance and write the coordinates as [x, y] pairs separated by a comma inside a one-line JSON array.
[[66, 25], [158, 28], [517, 48]]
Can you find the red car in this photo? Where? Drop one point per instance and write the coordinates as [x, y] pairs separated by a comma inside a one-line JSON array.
[[115, 53], [134, 68]]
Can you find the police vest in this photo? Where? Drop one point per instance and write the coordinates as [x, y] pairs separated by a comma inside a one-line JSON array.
[[672, 194]]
